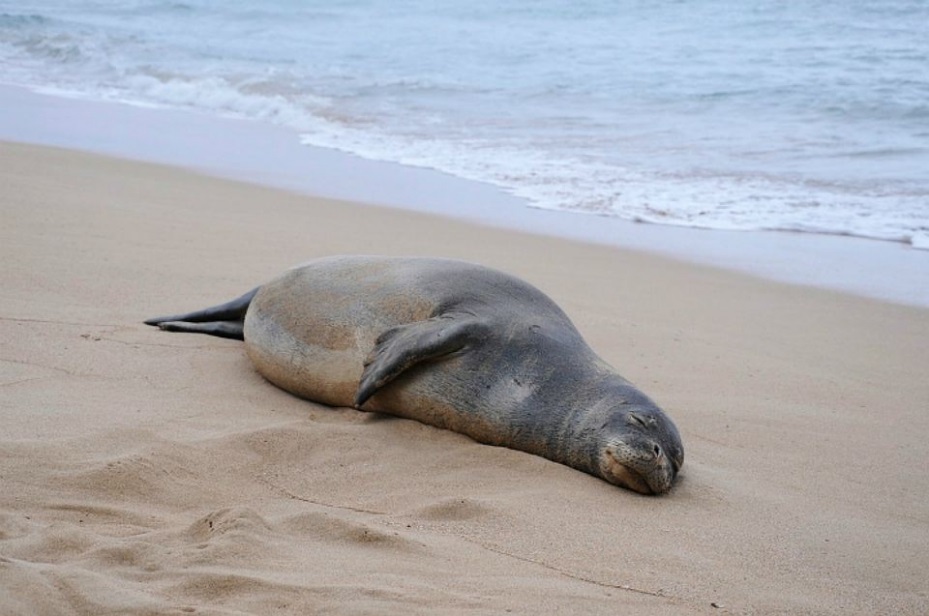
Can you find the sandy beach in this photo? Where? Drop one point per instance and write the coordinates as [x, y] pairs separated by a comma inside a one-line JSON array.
[[148, 473]]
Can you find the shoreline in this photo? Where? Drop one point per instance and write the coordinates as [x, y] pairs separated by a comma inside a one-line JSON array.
[[227, 148]]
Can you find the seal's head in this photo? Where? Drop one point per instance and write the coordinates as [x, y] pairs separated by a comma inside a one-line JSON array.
[[641, 450]]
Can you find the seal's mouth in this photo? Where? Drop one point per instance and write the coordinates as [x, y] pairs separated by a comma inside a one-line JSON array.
[[626, 477]]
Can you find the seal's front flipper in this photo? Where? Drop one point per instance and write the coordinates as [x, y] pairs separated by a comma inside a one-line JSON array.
[[225, 320], [402, 347]]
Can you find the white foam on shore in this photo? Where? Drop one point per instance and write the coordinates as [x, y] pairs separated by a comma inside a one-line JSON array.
[[273, 156]]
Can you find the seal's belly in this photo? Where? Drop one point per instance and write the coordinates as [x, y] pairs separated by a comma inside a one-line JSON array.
[[309, 333], [313, 371]]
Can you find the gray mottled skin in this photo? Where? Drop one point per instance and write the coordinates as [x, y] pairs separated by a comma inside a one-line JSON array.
[[452, 345]]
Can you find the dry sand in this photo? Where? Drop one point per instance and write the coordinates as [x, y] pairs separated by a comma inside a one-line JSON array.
[[149, 473]]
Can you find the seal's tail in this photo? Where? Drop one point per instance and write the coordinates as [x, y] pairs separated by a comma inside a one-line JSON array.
[[225, 320]]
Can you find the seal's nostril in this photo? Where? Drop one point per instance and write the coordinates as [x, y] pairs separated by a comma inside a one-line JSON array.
[[657, 451]]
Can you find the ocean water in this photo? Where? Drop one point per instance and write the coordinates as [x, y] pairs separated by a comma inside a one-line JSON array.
[[762, 114]]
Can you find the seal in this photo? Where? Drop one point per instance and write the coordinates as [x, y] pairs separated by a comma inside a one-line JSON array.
[[453, 345]]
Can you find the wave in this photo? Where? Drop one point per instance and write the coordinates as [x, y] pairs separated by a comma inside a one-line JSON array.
[[9, 20]]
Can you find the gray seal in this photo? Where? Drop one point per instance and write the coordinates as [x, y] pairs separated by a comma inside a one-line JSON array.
[[453, 345]]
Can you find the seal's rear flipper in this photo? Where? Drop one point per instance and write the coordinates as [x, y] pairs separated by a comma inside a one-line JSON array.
[[223, 329], [402, 347], [225, 320]]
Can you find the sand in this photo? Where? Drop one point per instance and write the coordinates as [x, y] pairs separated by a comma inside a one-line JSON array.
[[151, 473]]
